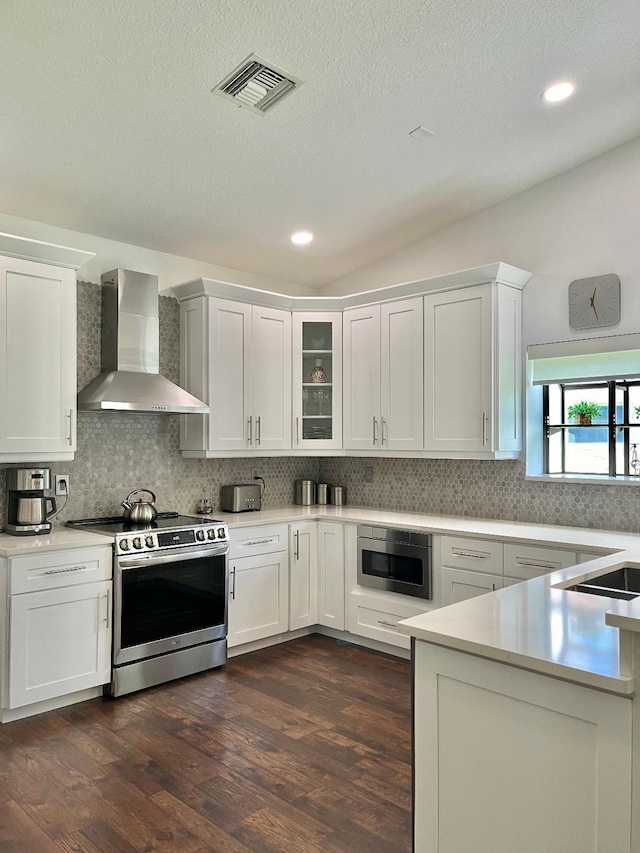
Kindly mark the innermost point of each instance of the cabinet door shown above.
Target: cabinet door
(317, 406)
(258, 598)
(459, 370)
(303, 575)
(361, 413)
(402, 372)
(229, 375)
(331, 579)
(271, 379)
(60, 642)
(38, 364)
(459, 584)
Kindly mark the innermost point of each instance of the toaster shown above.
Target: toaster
(240, 497)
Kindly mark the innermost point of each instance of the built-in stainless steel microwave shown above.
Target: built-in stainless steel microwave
(395, 560)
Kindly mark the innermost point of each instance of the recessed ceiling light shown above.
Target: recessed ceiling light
(558, 91)
(301, 238)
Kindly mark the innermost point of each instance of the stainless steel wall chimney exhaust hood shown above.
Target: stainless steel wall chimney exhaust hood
(130, 381)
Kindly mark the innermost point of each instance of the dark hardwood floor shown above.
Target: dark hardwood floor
(300, 748)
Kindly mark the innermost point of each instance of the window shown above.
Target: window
(605, 441)
(603, 372)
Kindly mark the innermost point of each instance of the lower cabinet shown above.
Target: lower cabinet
(331, 575)
(258, 597)
(376, 616)
(59, 641)
(460, 584)
(303, 575)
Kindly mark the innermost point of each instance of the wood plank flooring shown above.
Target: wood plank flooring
(300, 748)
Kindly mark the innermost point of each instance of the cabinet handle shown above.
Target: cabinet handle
(493, 587)
(250, 430)
(374, 431)
(521, 561)
(258, 430)
(107, 609)
(459, 553)
(384, 424)
(484, 428)
(70, 436)
(62, 571)
(387, 624)
(232, 576)
(258, 542)
(297, 538)
(297, 430)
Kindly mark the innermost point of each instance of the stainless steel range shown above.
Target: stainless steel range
(171, 584)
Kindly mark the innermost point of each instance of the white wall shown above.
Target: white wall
(170, 269)
(583, 222)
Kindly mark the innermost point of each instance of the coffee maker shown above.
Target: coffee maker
(27, 509)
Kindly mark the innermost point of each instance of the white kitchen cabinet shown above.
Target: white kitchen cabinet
(38, 364)
(473, 369)
(59, 627)
(237, 358)
(383, 376)
(331, 575)
(317, 406)
(509, 760)
(460, 584)
(59, 641)
(531, 561)
(375, 615)
(303, 575)
(258, 597)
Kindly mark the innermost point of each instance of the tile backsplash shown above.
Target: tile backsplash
(482, 489)
(119, 452)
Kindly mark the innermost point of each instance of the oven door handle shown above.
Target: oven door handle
(157, 559)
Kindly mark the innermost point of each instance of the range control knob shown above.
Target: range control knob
(148, 541)
(124, 544)
(211, 533)
(137, 542)
(221, 533)
(200, 535)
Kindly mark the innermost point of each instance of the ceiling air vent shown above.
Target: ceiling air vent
(257, 85)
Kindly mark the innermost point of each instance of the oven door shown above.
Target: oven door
(169, 601)
(394, 567)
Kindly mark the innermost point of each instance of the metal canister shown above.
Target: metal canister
(322, 494)
(305, 493)
(338, 495)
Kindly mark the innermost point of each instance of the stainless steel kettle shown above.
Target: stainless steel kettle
(140, 511)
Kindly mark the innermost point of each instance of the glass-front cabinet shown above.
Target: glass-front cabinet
(317, 380)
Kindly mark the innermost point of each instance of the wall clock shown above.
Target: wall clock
(594, 301)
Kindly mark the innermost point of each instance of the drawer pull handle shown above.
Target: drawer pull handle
(387, 624)
(63, 571)
(257, 542)
(521, 561)
(476, 556)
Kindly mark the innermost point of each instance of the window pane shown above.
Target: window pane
(634, 404)
(599, 396)
(555, 405)
(634, 438)
(555, 452)
(587, 451)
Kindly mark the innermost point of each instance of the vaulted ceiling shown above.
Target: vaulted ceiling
(108, 124)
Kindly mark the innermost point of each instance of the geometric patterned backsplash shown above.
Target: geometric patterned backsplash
(119, 452)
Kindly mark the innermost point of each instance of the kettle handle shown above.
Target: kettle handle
(137, 492)
(54, 507)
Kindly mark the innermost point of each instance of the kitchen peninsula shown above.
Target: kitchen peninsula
(527, 719)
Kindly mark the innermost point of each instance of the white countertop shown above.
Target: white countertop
(580, 538)
(59, 539)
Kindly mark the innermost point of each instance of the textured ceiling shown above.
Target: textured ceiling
(108, 125)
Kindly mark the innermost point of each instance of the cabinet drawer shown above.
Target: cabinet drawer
(251, 541)
(478, 555)
(59, 568)
(376, 617)
(530, 561)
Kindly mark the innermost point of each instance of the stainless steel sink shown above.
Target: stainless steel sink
(623, 583)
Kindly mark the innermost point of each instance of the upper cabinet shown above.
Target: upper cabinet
(38, 363)
(238, 357)
(383, 376)
(473, 372)
(317, 380)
